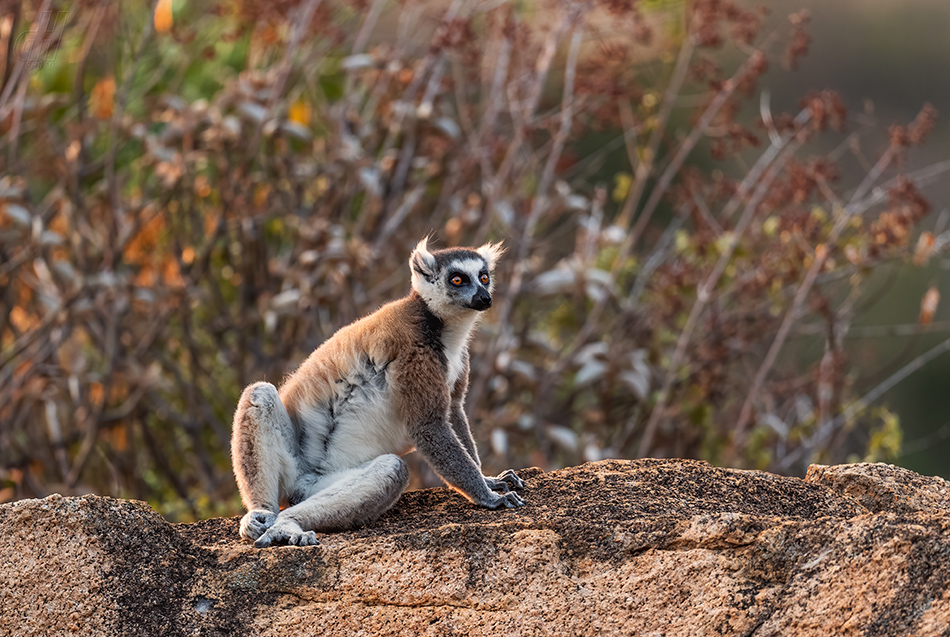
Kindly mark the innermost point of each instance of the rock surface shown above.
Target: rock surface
(646, 547)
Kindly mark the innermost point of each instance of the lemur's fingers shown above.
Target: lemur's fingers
(308, 538)
(270, 538)
(509, 500)
(513, 500)
(509, 476)
(497, 485)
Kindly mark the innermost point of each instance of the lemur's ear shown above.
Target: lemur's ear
(490, 252)
(422, 262)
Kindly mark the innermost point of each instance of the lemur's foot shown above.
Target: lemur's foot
(256, 522)
(286, 533)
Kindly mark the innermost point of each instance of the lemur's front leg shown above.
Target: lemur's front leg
(429, 417)
(441, 448)
(505, 481)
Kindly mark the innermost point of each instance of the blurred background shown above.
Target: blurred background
(726, 225)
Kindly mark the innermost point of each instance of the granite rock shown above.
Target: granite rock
(644, 547)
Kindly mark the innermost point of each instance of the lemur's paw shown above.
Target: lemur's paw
(255, 522)
(291, 535)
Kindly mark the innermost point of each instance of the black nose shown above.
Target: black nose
(481, 301)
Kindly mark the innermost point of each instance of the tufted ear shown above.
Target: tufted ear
(490, 252)
(421, 261)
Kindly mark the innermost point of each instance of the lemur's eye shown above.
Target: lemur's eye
(456, 280)
(484, 279)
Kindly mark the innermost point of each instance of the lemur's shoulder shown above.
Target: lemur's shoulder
(404, 323)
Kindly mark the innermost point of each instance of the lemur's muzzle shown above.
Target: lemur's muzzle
(481, 301)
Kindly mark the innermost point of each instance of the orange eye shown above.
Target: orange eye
(456, 280)
(483, 279)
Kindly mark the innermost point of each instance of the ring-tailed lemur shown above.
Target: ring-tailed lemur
(328, 442)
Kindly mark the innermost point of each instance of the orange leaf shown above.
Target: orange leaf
(260, 195)
(171, 274)
(300, 112)
(23, 320)
(163, 16)
(120, 438)
(96, 393)
(102, 98)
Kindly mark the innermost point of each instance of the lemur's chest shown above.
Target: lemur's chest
(455, 345)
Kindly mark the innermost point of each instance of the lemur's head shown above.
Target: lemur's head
(455, 279)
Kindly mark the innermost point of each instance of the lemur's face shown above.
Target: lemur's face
(465, 278)
(455, 278)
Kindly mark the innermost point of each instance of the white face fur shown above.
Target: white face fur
(454, 280)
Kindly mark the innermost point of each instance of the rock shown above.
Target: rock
(646, 547)
(884, 487)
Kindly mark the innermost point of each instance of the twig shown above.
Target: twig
(392, 223)
(877, 331)
(660, 252)
(11, 44)
(301, 23)
(20, 102)
(122, 96)
(926, 443)
(20, 72)
(94, 418)
(95, 19)
(540, 200)
(366, 29)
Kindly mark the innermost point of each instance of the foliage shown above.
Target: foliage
(196, 194)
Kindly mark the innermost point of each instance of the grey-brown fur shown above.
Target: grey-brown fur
(328, 442)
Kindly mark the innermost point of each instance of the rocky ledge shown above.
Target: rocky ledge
(646, 547)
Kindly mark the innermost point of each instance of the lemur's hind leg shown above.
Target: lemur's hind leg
(343, 500)
(262, 455)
